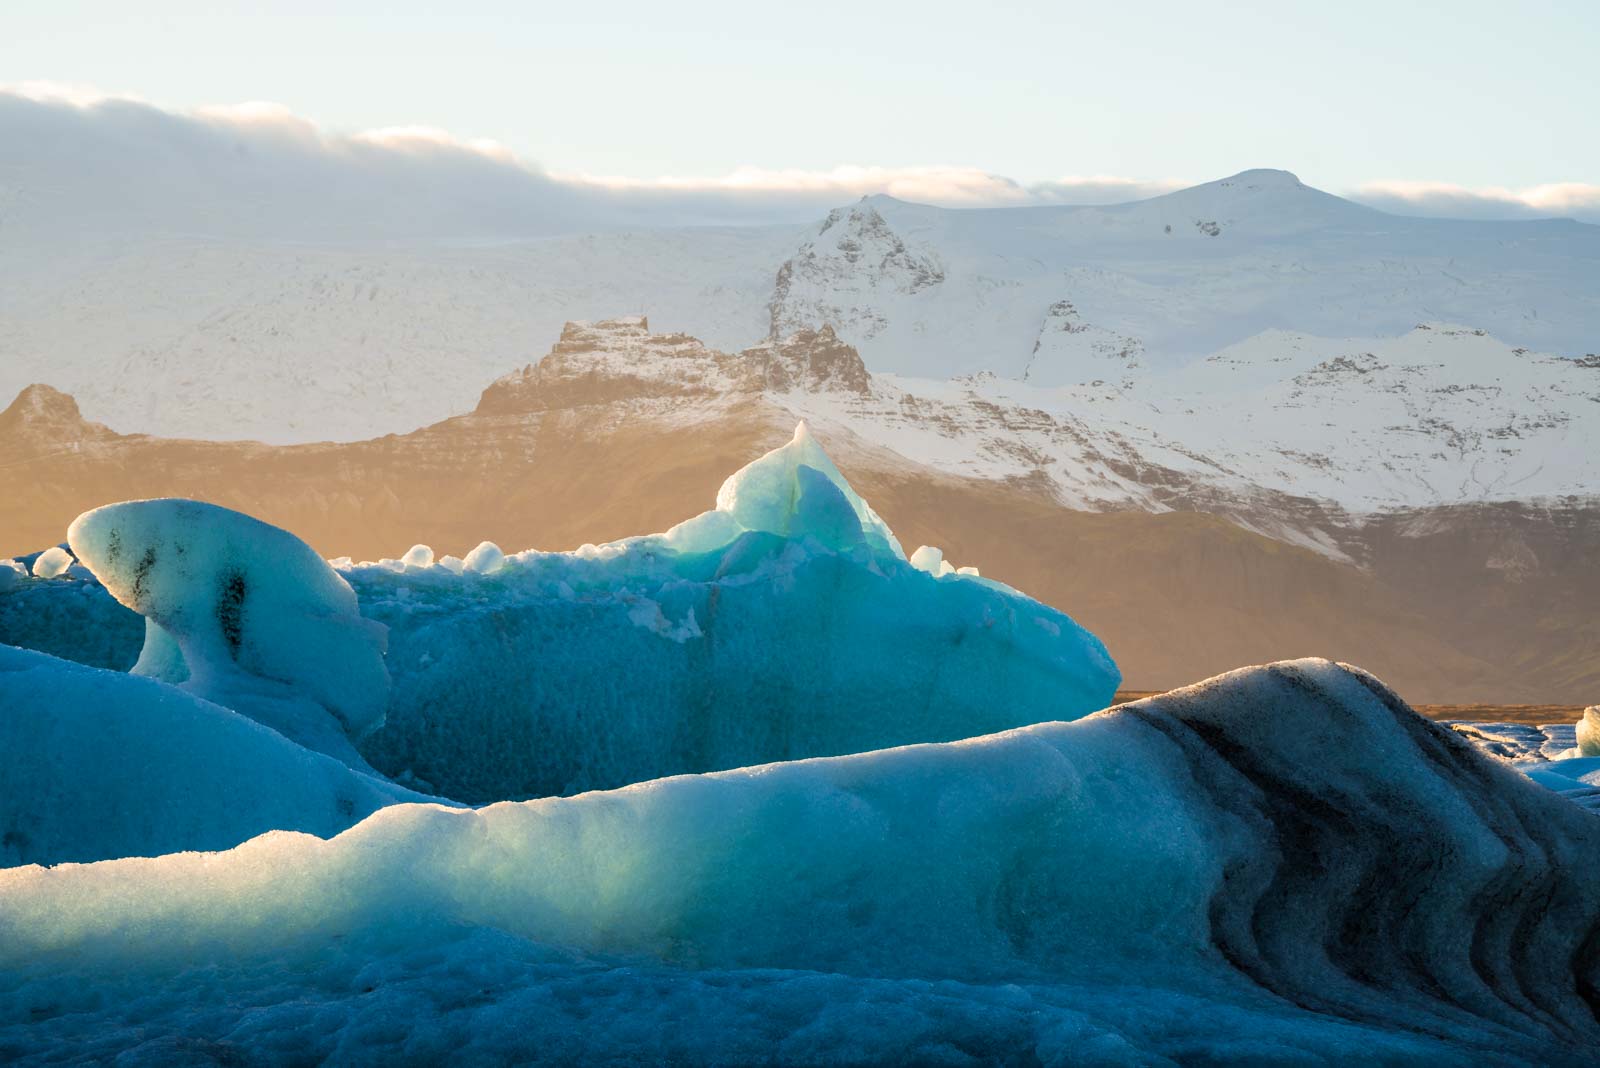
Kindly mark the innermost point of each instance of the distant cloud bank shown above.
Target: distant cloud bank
(1574, 200)
(107, 161)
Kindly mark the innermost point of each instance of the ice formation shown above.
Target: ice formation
(931, 559)
(99, 764)
(1588, 732)
(486, 559)
(52, 562)
(793, 491)
(1283, 864)
(242, 613)
(784, 623)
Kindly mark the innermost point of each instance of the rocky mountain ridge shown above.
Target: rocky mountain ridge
(1293, 437)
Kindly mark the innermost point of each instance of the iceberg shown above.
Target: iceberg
(784, 623)
(1281, 864)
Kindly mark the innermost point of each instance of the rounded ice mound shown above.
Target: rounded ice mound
(243, 612)
(486, 559)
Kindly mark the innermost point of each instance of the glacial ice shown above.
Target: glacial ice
(97, 764)
(784, 623)
(485, 559)
(52, 562)
(1588, 732)
(792, 491)
(931, 559)
(1282, 864)
(548, 673)
(244, 614)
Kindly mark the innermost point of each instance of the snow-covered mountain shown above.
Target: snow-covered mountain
(227, 336)
(304, 342)
(936, 292)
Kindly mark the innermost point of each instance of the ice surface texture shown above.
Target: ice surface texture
(1284, 863)
(97, 764)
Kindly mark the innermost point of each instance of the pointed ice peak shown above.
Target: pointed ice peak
(794, 491)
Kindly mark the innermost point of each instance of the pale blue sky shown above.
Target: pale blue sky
(1468, 92)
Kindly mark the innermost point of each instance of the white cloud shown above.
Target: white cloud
(82, 96)
(111, 161)
(948, 186)
(1575, 200)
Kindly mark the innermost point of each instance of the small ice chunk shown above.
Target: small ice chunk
(11, 573)
(453, 564)
(931, 559)
(1589, 732)
(486, 559)
(51, 563)
(418, 556)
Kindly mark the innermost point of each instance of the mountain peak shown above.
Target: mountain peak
(40, 407)
(1264, 178)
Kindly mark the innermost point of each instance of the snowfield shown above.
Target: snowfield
(227, 336)
(821, 844)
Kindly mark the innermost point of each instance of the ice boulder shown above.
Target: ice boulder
(486, 559)
(418, 556)
(1588, 732)
(99, 764)
(244, 614)
(52, 562)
